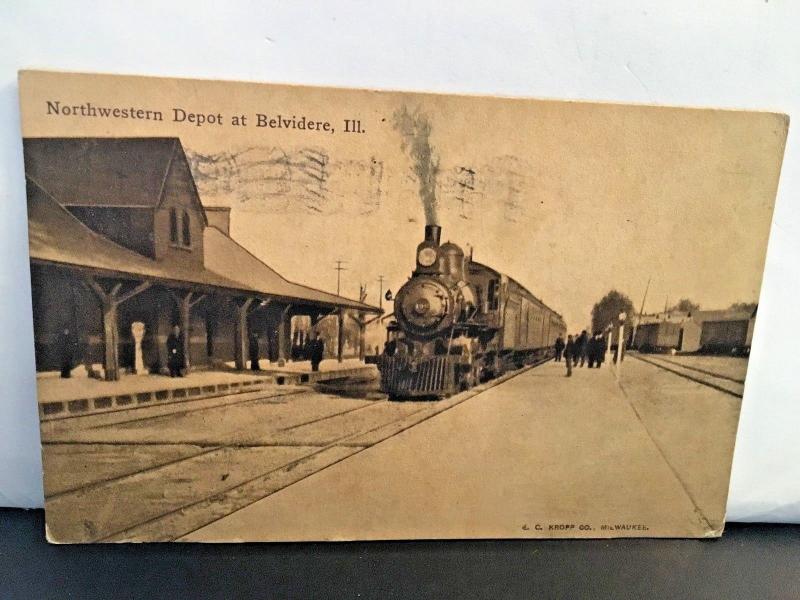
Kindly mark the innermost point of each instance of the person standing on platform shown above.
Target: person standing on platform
(581, 344)
(175, 354)
(254, 351)
(569, 354)
(590, 351)
(601, 349)
(68, 348)
(559, 347)
(317, 351)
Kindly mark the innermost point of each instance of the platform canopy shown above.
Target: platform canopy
(57, 237)
(223, 255)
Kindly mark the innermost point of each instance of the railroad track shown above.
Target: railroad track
(206, 449)
(722, 383)
(201, 510)
(701, 370)
(259, 397)
(121, 534)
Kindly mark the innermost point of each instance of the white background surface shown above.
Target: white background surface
(721, 53)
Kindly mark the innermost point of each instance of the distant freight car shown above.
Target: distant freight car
(729, 336)
(658, 337)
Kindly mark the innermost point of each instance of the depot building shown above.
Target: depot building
(122, 249)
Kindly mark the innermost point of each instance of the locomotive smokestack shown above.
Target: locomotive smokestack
(433, 234)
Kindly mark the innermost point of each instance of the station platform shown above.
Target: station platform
(59, 398)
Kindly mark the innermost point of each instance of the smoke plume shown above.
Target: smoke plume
(416, 131)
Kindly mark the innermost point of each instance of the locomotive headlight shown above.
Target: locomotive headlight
(426, 257)
(422, 306)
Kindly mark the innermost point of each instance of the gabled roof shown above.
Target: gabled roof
(130, 173)
(107, 172)
(224, 255)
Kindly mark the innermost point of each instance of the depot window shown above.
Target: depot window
(173, 226)
(187, 233)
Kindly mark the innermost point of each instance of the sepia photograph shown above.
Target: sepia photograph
(281, 313)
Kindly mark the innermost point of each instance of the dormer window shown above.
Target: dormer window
(187, 233)
(180, 228)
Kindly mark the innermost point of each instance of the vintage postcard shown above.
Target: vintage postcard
(270, 312)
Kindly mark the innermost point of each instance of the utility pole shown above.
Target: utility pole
(641, 310)
(620, 344)
(380, 291)
(361, 320)
(339, 268)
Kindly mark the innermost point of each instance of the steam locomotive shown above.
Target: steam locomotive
(458, 322)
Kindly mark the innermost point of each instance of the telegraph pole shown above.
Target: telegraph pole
(380, 291)
(620, 344)
(641, 311)
(339, 268)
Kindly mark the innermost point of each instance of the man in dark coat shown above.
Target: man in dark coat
(569, 354)
(559, 348)
(68, 347)
(253, 347)
(601, 349)
(316, 351)
(590, 351)
(593, 351)
(175, 354)
(581, 344)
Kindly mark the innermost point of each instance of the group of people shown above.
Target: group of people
(309, 347)
(581, 349)
(313, 350)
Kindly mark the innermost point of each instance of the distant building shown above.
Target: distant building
(711, 331)
(719, 331)
(118, 236)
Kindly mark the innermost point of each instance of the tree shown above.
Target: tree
(685, 305)
(328, 330)
(744, 306)
(606, 311)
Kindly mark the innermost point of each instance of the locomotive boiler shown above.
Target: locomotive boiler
(458, 322)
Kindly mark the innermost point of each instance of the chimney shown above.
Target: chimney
(219, 217)
(433, 234)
